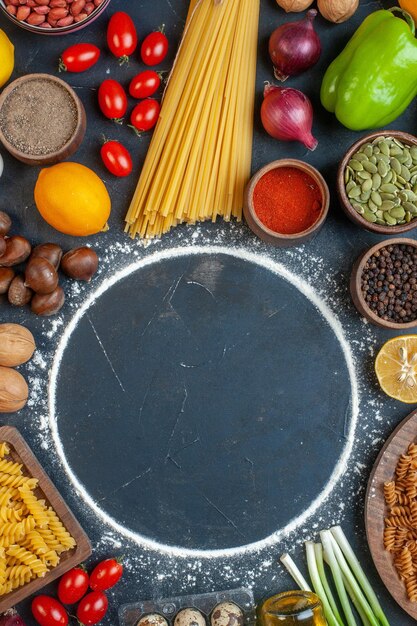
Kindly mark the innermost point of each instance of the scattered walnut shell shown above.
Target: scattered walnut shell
(294, 6)
(6, 277)
(17, 345)
(17, 250)
(18, 293)
(337, 11)
(13, 390)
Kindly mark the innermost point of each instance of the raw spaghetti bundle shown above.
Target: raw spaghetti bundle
(198, 162)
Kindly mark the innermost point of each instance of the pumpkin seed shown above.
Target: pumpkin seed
(369, 216)
(383, 157)
(381, 222)
(358, 207)
(382, 169)
(391, 221)
(372, 206)
(387, 205)
(374, 158)
(367, 185)
(405, 173)
(388, 196)
(408, 217)
(384, 147)
(398, 213)
(380, 214)
(376, 181)
(351, 184)
(368, 150)
(355, 192)
(364, 197)
(381, 138)
(388, 188)
(395, 165)
(355, 165)
(413, 152)
(364, 175)
(375, 197)
(388, 177)
(398, 143)
(359, 156)
(409, 206)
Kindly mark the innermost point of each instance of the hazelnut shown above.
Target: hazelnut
(80, 263)
(13, 390)
(6, 277)
(41, 276)
(17, 250)
(48, 304)
(5, 223)
(49, 251)
(18, 293)
(17, 345)
(2, 246)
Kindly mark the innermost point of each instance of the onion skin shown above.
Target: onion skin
(11, 619)
(294, 47)
(287, 114)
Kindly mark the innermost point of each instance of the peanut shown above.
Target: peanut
(51, 13)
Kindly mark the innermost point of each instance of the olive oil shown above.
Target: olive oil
(293, 608)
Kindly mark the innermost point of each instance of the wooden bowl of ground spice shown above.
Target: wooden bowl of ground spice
(377, 182)
(286, 202)
(42, 120)
(383, 284)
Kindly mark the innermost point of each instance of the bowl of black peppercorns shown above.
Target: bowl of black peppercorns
(383, 284)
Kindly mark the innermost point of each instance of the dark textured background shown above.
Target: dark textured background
(339, 243)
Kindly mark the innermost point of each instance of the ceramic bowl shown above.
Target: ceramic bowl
(64, 30)
(265, 233)
(356, 289)
(352, 214)
(67, 149)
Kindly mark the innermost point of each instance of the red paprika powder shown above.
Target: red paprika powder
(287, 200)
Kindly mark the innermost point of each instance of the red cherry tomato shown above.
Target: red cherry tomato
(122, 38)
(79, 58)
(118, 161)
(73, 585)
(106, 574)
(154, 48)
(144, 84)
(112, 99)
(49, 612)
(92, 608)
(145, 114)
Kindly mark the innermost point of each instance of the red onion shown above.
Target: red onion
(11, 618)
(294, 47)
(287, 114)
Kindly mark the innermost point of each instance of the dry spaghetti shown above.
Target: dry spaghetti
(198, 162)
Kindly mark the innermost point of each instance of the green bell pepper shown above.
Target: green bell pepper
(374, 79)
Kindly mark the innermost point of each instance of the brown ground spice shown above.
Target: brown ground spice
(38, 117)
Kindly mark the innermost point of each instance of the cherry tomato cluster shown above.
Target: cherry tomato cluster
(122, 40)
(72, 588)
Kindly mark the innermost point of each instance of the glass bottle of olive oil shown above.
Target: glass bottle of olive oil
(292, 608)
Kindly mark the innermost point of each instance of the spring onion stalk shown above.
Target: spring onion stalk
(355, 566)
(347, 573)
(337, 577)
(294, 572)
(356, 604)
(318, 586)
(318, 551)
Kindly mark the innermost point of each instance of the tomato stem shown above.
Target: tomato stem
(124, 60)
(162, 29)
(61, 65)
(138, 132)
(118, 120)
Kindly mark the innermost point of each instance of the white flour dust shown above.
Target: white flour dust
(162, 567)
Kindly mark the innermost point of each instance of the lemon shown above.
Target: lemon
(6, 58)
(72, 199)
(396, 368)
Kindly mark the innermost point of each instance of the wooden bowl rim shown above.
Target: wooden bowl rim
(358, 219)
(60, 30)
(297, 164)
(78, 128)
(387, 571)
(356, 280)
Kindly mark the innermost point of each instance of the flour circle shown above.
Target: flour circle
(326, 313)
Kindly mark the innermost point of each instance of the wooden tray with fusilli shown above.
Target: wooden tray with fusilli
(39, 537)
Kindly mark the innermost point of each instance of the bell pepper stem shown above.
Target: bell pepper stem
(406, 16)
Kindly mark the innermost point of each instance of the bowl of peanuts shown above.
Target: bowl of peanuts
(52, 17)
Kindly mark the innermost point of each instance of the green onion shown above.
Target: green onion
(361, 613)
(337, 577)
(318, 550)
(293, 570)
(318, 585)
(356, 568)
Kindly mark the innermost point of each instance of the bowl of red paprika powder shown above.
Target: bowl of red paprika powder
(286, 202)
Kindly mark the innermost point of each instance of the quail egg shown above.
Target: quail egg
(227, 614)
(152, 619)
(189, 617)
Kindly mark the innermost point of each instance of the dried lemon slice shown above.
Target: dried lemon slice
(396, 368)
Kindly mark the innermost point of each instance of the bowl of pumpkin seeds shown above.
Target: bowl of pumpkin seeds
(377, 182)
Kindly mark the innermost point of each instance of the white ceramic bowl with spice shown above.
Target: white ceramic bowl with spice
(42, 120)
(356, 285)
(272, 236)
(57, 30)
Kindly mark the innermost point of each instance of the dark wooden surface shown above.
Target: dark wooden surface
(375, 507)
(21, 453)
(101, 459)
